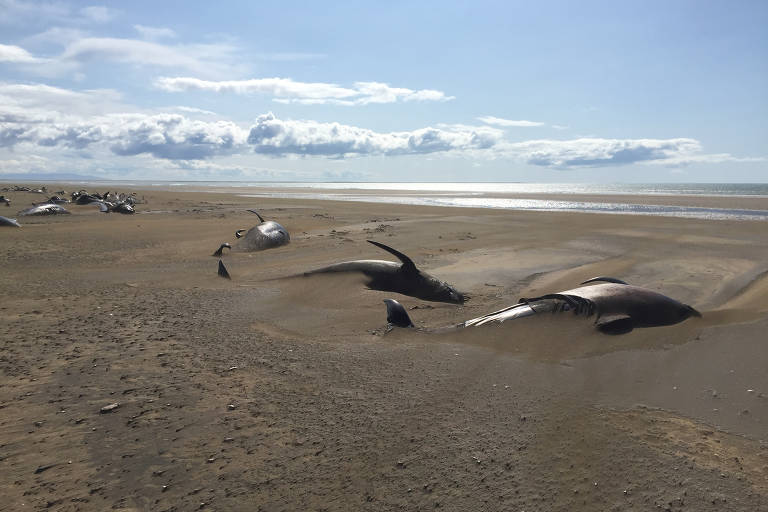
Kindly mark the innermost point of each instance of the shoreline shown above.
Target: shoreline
(725, 207)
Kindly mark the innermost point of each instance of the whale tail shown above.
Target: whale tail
(396, 314)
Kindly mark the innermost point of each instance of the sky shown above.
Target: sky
(546, 91)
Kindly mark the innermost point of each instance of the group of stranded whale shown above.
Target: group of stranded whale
(616, 306)
(108, 202)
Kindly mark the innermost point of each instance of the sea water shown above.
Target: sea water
(495, 195)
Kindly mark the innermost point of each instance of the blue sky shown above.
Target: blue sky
(386, 91)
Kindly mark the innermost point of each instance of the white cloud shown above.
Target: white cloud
(596, 152)
(195, 110)
(61, 36)
(43, 118)
(174, 137)
(206, 59)
(153, 33)
(273, 136)
(497, 121)
(685, 160)
(286, 90)
(130, 51)
(17, 55)
(281, 87)
(165, 136)
(39, 100)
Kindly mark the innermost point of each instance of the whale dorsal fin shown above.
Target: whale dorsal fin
(257, 214)
(396, 314)
(408, 264)
(605, 279)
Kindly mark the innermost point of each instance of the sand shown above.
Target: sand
(273, 393)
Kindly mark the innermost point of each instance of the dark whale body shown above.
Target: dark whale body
(267, 235)
(618, 308)
(404, 277)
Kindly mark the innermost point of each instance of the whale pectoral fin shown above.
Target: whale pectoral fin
(223, 270)
(605, 279)
(408, 264)
(615, 324)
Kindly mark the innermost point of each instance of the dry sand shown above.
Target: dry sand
(286, 394)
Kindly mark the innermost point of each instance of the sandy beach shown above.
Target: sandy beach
(278, 393)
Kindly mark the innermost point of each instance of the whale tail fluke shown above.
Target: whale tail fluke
(396, 314)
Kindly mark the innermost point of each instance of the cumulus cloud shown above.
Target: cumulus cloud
(46, 117)
(285, 90)
(274, 136)
(176, 137)
(498, 121)
(166, 136)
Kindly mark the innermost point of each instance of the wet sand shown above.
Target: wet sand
(272, 393)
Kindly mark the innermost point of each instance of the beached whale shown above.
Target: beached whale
(403, 277)
(45, 209)
(267, 235)
(617, 307)
(11, 223)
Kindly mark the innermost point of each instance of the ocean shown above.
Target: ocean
(511, 196)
